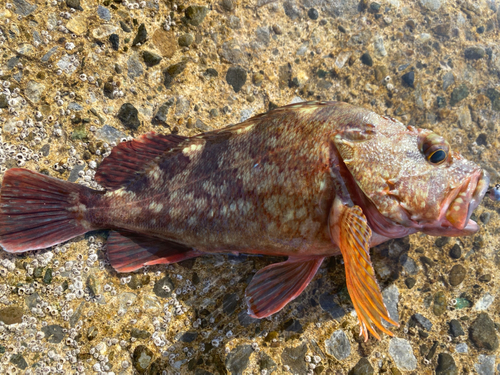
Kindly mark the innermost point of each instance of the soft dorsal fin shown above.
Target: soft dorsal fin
(129, 158)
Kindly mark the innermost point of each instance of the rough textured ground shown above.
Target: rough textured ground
(79, 76)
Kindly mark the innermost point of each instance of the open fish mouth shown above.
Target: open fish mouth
(467, 199)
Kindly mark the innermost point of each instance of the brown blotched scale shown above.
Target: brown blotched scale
(307, 181)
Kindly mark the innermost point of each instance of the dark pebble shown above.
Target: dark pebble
(410, 282)
(456, 252)
(185, 40)
(142, 358)
(329, 305)
(189, 336)
(375, 7)
(245, 319)
(459, 93)
(456, 329)
(409, 78)
(125, 27)
(75, 4)
(366, 59)
(442, 29)
(108, 90)
(237, 360)
(163, 287)
(142, 35)
(47, 278)
(19, 361)
(457, 274)
(294, 357)
(480, 30)
(11, 315)
(313, 14)
(432, 350)
(92, 333)
(485, 217)
(195, 14)
(482, 333)
(135, 282)
(139, 333)
(227, 5)
(236, 77)
(161, 115)
(342, 29)
(38, 272)
(441, 241)
(201, 125)
(171, 72)
(474, 53)
(481, 140)
(53, 333)
(446, 365)
(363, 367)
(211, 72)
(440, 302)
(214, 112)
(267, 363)
(150, 58)
(128, 115)
(420, 320)
(293, 325)
(114, 39)
(4, 103)
(229, 303)
(291, 9)
(485, 278)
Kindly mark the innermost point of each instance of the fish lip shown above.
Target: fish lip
(475, 188)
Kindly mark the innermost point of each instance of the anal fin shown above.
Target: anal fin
(349, 229)
(128, 251)
(277, 284)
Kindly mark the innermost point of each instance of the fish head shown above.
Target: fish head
(412, 176)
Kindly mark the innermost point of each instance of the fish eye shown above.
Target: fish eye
(437, 157)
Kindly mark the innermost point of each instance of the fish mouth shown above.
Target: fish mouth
(464, 200)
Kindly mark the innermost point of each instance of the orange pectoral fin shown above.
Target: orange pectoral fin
(349, 229)
(277, 284)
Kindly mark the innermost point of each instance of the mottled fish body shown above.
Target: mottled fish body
(307, 181)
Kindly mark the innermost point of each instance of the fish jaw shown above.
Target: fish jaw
(454, 219)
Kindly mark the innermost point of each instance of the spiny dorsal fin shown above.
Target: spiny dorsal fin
(130, 158)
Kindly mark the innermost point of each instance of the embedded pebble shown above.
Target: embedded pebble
(456, 328)
(401, 352)
(195, 14)
(446, 365)
(11, 315)
(338, 345)
(53, 333)
(363, 367)
(391, 298)
(294, 358)
(103, 13)
(128, 115)
(485, 364)
(327, 303)
(484, 302)
(462, 348)
(237, 360)
(482, 332)
(142, 358)
(236, 77)
(457, 274)
(163, 287)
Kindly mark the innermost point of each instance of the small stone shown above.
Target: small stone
(484, 302)
(211, 72)
(125, 27)
(47, 278)
(391, 298)
(482, 333)
(139, 333)
(161, 115)
(494, 96)
(432, 5)
(103, 13)
(363, 367)
(201, 125)
(103, 31)
(163, 287)
(474, 53)
(19, 361)
(485, 217)
(150, 58)
(233, 22)
(135, 282)
(114, 39)
(173, 71)
(75, 4)
(236, 77)
(128, 115)
(457, 274)
(401, 352)
(33, 91)
(410, 282)
(229, 303)
(313, 14)
(294, 358)
(378, 44)
(485, 278)
(338, 345)
(448, 80)
(456, 329)
(277, 29)
(109, 134)
(442, 29)
(462, 347)
(237, 360)
(485, 364)
(134, 66)
(3, 101)
(228, 5)
(266, 363)
(142, 35)
(291, 9)
(185, 40)
(440, 302)
(23, 8)
(440, 102)
(195, 14)
(458, 94)
(165, 41)
(188, 336)
(446, 365)
(53, 333)
(409, 78)
(293, 325)
(456, 252)
(366, 59)
(422, 321)
(142, 358)
(94, 285)
(11, 315)
(92, 333)
(327, 303)
(409, 264)
(263, 35)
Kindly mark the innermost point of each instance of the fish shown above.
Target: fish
(306, 181)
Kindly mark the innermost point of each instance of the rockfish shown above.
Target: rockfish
(306, 181)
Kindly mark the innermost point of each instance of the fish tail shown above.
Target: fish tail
(38, 211)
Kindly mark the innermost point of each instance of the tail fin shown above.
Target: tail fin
(38, 211)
